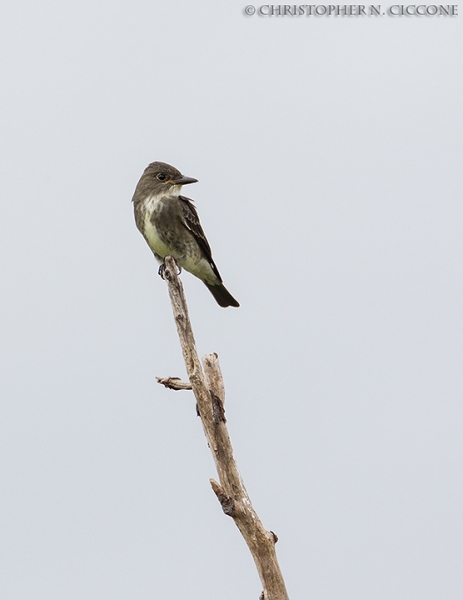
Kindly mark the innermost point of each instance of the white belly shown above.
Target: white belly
(155, 242)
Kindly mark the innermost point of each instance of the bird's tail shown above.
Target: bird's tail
(222, 295)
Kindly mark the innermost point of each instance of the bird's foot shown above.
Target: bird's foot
(161, 270)
(162, 267)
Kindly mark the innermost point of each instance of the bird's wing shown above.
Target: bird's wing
(191, 221)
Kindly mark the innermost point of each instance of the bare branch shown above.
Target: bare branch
(213, 374)
(174, 383)
(209, 391)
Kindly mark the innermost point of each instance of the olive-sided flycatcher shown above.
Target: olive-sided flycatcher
(170, 224)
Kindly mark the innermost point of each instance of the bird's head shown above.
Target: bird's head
(165, 179)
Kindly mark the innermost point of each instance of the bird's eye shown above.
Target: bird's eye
(161, 176)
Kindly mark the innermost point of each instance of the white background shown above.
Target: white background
(329, 158)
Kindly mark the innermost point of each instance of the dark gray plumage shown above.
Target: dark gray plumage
(170, 224)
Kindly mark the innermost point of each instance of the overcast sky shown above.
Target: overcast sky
(329, 157)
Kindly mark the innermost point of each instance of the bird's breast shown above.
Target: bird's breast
(152, 230)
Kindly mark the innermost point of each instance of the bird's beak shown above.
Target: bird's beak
(184, 180)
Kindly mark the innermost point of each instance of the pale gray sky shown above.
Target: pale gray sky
(329, 158)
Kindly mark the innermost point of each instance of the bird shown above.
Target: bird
(170, 225)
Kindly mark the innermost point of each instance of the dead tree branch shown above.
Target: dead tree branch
(174, 383)
(209, 391)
